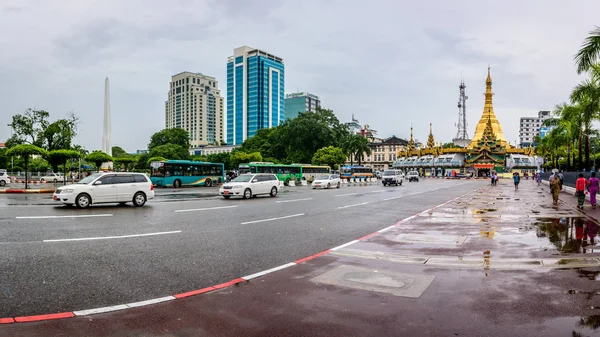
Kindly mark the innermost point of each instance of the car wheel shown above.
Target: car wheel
(208, 183)
(2, 182)
(139, 199)
(226, 196)
(328, 185)
(55, 180)
(273, 192)
(247, 194)
(83, 201)
(338, 185)
(177, 183)
(42, 180)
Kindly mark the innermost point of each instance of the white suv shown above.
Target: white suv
(412, 175)
(390, 177)
(249, 185)
(107, 187)
(4, 178)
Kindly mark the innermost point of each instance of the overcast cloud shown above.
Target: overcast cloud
(390, 63)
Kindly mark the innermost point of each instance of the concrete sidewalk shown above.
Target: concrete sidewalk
(495, 262)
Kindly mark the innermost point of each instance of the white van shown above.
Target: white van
(389, 177)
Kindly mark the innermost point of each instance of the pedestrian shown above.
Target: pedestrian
(555, 189)
(72, 177)
(492, 178)
(593, 189)
(538, 178)
(580, 185)
(561, 178)
(516, 179)
(495, 178)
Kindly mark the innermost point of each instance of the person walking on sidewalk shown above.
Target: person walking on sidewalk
(555, 188)
(516, 179)
(580, 185)
(561, 178)
(593, 189)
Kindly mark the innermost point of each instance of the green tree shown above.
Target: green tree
(25, 151)
(329, 155)
(62, 156)
(29, 127)
(4, 159)
(153, 159)
(170, 151)
(239, 157)
(587, 96)
(362, 147)
(223, 157)
(174, 136)
(449, 146)
(589, 53)
(98, 157)
(59, 134)
(118, 152)
(125, 162)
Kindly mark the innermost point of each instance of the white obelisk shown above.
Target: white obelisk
(106, 142)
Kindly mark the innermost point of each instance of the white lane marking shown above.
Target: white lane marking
(282, 201)
(377, 191)
(152, 301)
(203, 209)
(392, 198)
(343, 195)
(362, 203)
(272, 219)
(265, 272)
(386, 229)
(112, 237)
(100, 310)
(344, 245)
(62, 216)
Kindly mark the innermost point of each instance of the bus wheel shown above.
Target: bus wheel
(177, 183)
(287, 182)
(208, 183)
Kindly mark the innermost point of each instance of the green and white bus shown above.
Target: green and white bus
(284, 172)
(179, 173)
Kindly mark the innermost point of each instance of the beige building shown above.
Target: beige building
(383, 153)
(195, 105)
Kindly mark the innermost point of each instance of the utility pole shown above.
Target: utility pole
(12, 162)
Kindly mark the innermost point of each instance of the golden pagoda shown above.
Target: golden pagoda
(488, 115)
(430, 140)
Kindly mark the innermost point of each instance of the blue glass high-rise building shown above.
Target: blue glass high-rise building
(255, 93)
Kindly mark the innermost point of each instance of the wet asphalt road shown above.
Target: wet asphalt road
(209, 241)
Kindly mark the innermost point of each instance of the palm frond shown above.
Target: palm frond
(589, 52)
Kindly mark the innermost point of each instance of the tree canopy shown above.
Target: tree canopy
(98, 157)
(33, 127)
(170, 151)
(240, 157)
(329, 155)
(174, 136)
(25, 151)
(118, 152)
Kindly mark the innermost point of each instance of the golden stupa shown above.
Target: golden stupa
(488, 117)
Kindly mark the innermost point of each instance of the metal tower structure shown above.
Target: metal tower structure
(462, 138)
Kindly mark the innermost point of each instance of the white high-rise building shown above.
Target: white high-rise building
(529, 128)
(195, 104)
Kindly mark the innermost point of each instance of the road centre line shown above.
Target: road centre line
(62, 216)
(273, 219)
(282, 201)
(377, 191)
(343, 195)
(112, 237)
(203, 209)
(362, 203)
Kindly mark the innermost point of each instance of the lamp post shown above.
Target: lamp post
(11, 157)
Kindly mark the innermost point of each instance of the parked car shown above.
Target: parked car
(4, 178)
(412, 176)
(53, 178)
(107, 187)
(377, 174)
(251, 184)
(326, 181)
(395, 177)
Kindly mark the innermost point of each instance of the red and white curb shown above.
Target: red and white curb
(88, 312)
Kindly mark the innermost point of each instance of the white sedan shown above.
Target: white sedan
(326, 181)
(53, 178)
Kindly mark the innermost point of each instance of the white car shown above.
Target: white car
(390, 177)
(251, 184)
(412, 175)
(4, 178)
(326, 181)
(53, 178)
(107, 187)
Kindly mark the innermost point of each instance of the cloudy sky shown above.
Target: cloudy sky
(390, 63)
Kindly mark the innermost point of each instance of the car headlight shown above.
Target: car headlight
(237, 187)
(68, 190)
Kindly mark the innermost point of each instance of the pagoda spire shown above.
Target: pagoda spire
(430, 140)
(411, 142)
(489, 116)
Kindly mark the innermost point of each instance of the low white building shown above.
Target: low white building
(209, 149)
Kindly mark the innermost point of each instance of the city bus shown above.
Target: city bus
(356, 172)
(309, 172)
(179, 173)
(284, 172)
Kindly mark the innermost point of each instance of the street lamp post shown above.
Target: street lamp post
(12, 162)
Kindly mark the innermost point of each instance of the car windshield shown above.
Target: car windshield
(89, 178)
(323, 177)
(413, 173)
(389, 173)
(243, 178)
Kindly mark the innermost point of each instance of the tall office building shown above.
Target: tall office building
(530, 127)
(300, 102)
(255, 93)
(195, 105)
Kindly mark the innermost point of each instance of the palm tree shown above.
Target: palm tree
(587, 95)
(589, 52)
(349, 145)
(566, 124)
(362, 148)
